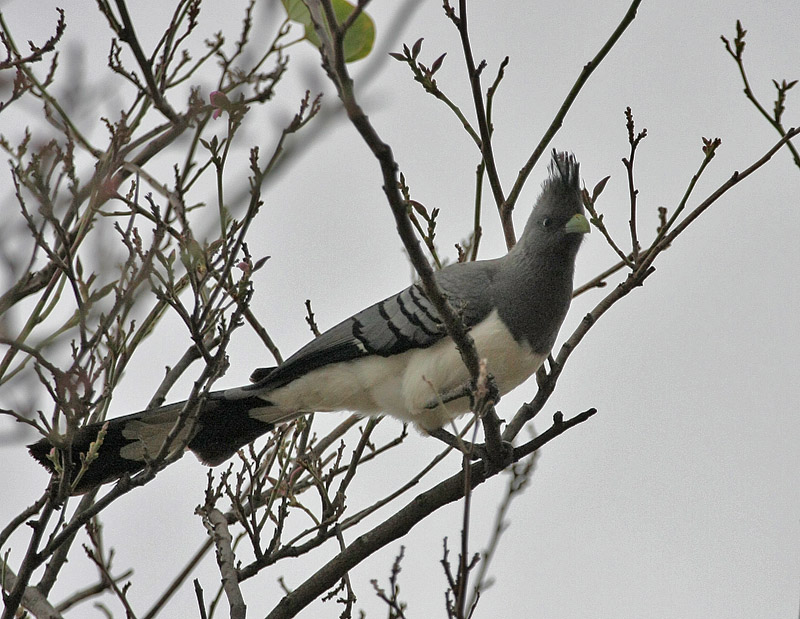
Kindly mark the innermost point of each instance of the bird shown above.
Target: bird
(394, 357)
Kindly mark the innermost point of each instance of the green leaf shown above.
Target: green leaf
(358, 41)
(297, 11)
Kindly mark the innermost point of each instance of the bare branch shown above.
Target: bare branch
(217, 527)
(399, 524)
(586, 72)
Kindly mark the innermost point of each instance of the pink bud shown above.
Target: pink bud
(220, 102)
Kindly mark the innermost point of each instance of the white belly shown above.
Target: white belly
(403, 384)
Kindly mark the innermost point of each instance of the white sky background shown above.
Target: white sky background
(680, 498)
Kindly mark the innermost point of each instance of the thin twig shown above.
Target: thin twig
(128, 34)
(400, 523)
(558, 120)
(599, 281)
(635, 278)
(736, 51)
(633, 141)
(474, 74)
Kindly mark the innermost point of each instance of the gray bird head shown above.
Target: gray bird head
(557, 223)
(534, 282)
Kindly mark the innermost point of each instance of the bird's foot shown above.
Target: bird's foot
(468, 389)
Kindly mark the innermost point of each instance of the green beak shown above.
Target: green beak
(577, 224)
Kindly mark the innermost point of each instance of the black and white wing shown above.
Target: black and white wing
(402, 322)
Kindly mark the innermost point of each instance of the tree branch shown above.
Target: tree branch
(474, 74)
(586, 72)
(333, 62)
(398, 525)
(217, 526)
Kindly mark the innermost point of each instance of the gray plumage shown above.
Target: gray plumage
(393, 357)
(531, 288)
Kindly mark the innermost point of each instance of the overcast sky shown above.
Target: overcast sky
(680, 498)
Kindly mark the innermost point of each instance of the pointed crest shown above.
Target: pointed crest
(564, 168)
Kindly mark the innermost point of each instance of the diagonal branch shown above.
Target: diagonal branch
(32, 599)
(474, 74)
(586, 72)
(736, 52)
(398, 525)
(128, 35)
(333, 62)
(635, 278)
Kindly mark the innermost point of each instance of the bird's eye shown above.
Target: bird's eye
(546, 222)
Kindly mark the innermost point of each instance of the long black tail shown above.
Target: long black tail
(223, 425)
